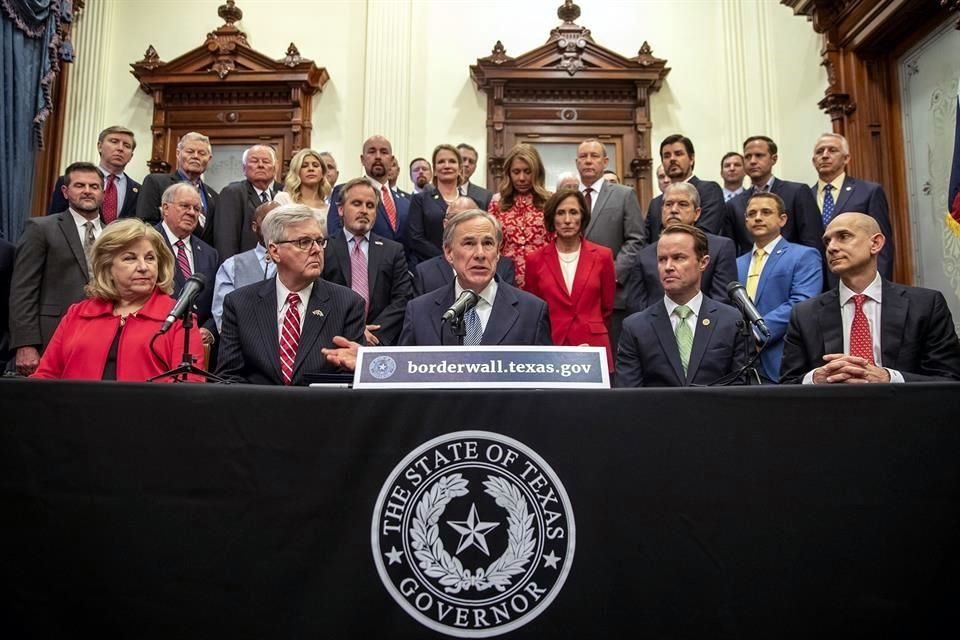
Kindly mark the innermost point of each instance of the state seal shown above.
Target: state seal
(473, 534)
(382, 367)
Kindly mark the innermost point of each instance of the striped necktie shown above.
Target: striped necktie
(684, 335)
(290, 337)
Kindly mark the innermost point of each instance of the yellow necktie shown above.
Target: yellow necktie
(756, 267)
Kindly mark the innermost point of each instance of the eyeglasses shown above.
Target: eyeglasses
(305, 242)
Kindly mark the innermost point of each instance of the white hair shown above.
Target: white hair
(276, 223)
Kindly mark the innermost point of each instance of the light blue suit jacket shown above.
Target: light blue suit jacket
(793, 273)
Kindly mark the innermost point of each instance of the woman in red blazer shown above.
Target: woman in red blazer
(574, 276)
(108, 335)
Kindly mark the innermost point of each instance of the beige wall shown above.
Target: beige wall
(401, 67)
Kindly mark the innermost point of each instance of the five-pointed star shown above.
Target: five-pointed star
(550, 560)
(472, 531)
(394, 555)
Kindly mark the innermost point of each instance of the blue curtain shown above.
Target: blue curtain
(31, 48)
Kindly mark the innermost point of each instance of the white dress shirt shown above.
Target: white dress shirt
(80, 221)
(694, 304)
(282, 294)
(487, 296)
(173, 240)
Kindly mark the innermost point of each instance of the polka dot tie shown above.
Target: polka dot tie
(861, 342)
(828, 204)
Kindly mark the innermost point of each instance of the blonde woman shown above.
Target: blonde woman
(306, 182)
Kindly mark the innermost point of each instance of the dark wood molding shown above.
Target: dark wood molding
(862, 43)
(230, 92)
(571, 88)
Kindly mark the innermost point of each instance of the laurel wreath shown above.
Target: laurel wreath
(437, 563)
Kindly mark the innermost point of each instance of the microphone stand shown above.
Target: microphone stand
(186, 366)
(748, 373)
(459, 328)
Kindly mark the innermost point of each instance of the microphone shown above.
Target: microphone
(467, 300)
(738, 296)
(188, 295)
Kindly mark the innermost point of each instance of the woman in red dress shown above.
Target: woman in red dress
(575, 277)
(520, 205)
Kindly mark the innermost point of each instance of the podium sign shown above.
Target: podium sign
(482, 368)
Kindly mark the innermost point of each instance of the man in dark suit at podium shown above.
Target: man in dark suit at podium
(273, 331)
(685, 339)
(868, 329)
(115, 145)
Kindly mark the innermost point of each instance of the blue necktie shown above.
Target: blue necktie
(474, 330)
(827, 204)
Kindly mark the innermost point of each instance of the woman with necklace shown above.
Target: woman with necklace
(111, 334)
(428, 208)
(575, 277)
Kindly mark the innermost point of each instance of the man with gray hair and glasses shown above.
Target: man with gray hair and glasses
(273, 331)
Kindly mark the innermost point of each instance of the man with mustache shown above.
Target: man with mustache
(681, 205)
(420, 174)
(392, 212)
(371, 265)
(51, 264)
(194, 153)
(115, 145)
(868, 329)
(180, 208)
(677, 156)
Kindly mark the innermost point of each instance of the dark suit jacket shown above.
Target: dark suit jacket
(644, 288)
(917, 335)
(479, 195)
(205, 261)
(792, 273)
(425, 230)
(7, 253)
(382, 226)
(804, 225)
(148, 204)
(517, 318)
(865, 197)
(128, 210)
(437, 272)
(616, 223)
(49, 274)
(648, 355)
(250, 340)
(712, 212)
(388, 281)
(231, 228)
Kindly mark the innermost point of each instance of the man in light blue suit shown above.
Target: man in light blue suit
(778, 274)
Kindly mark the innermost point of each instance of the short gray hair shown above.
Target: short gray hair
(171, 192)
(466, 216)
(246, 152)
(844, 145)
(276, 223)
(687, 188)
(191, 136)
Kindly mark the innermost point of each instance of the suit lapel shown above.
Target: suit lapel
(313, 320)
(701, 336)
(128, 200)
(771, 267)
(585, 269)
(374, 258)
(846, 189)
(831, 323)
(597, 209)
(893, 319)
(502, 318)
(340, 257)
(266, 318)
(252, 199)
(442, 301)
(72, 236)
(668, 341)
(552, 260)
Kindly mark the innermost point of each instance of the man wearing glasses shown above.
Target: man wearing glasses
(180, 210)
(777, 274)
(273, 331)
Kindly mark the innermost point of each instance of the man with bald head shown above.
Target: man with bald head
(391, 222)
(868, 329)
(233, 226)
(436, 272)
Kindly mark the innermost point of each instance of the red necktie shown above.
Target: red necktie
(389, 206)
(290, 337)
(861, 342)
(182, 262)
(109, 207)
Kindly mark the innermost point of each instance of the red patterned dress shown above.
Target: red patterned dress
(523, 231)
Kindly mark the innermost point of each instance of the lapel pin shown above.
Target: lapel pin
(135, 190)
(378, 243)
(706, 322)
(318, 313)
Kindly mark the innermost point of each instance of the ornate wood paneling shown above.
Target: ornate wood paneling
(862, 42)
(569, 89)
(230, 92)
